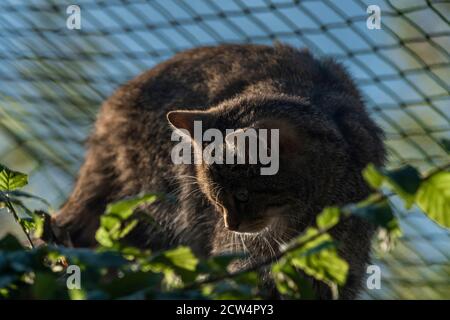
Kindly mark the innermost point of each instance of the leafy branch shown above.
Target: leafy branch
(115, 270)
(307, 237)
(9, 181)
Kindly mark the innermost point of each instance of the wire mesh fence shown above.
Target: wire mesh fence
(53, 80)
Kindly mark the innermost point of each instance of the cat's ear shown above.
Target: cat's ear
(184, 120)
(290, 139)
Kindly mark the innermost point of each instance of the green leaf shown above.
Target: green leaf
(379, 213)
(28, 223)
(124, 209)
(328, 218)
(127, 228)
(182, 257)
(373, 177)
(407, 178)
(40, 218)
(175, 262)
(404, 181)
(11, 180)
(103, 237)
(433, 198)
(318, 258)
(115, 224)
(291, 283)
(77, 294)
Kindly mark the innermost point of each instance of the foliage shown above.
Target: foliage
(430, 193)
(433, 197)
(117, 271)
(117, 221)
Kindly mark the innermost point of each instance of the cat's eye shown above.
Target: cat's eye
(241, 195)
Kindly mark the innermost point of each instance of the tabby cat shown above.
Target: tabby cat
(325, 135)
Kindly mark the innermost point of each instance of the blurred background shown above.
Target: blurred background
(54, 79)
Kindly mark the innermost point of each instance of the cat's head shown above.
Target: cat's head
(313, 161)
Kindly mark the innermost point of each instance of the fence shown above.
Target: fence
(53, 80)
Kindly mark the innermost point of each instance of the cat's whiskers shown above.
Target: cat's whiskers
(281, 244)
(271, 250)
(288, 236)
(246, 250)
(283, 240)
(196, 191)
(180, 180)
(182, 186)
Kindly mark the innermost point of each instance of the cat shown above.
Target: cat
(326, 139)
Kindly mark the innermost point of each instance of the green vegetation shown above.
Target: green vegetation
(116, 271)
